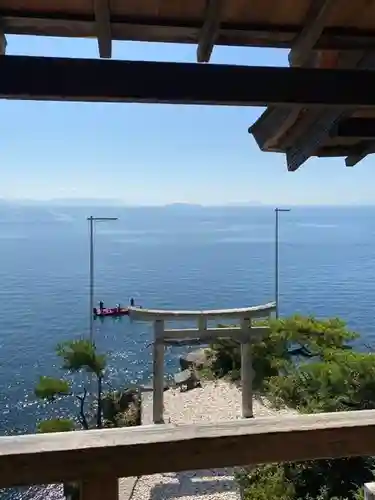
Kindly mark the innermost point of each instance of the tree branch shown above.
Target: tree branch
(82, 416)
(99, 410)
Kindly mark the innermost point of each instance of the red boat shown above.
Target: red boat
(110, 311)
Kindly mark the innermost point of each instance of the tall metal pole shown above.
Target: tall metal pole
(91, 285)
(277, 210)
(277, 261)
(92, 220)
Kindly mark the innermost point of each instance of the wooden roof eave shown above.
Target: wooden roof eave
(276, 128)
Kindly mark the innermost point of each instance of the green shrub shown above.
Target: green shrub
(307, 364)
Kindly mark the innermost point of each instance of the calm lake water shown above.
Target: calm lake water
(173, 257)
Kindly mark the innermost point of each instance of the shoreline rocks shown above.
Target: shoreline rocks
(194, 359)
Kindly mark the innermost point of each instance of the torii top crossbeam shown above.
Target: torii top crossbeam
(261, 311)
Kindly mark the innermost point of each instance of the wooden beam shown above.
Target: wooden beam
(43, 78)
(316, 19)
(210, 30)
(149, 449)
(359, 128)
(100, 487)
(170, 315)
(103, 27)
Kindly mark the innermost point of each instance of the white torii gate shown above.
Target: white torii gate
(246, 333)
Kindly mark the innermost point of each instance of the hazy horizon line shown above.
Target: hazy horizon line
(113, 202)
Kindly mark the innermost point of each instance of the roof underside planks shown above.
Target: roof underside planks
(338, 24)
(303, 132)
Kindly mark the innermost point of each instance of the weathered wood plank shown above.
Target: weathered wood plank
(103, 27)
(53, 458)
(174, 31)
(313, 26)
(210, 30)
(43, 78)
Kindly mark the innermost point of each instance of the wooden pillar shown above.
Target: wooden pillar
(100, 488)
(246, 370)
(369, 491)
(158, 375)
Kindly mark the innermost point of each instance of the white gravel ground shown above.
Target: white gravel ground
(215, 401)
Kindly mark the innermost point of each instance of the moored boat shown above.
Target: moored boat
(110, 311)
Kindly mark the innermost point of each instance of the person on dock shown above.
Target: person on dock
(101, 306)
(132, 302)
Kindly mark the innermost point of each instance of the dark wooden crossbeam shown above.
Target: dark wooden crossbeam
(42, 78)
(360, 128)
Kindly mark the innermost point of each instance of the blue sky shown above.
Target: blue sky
(156, 154)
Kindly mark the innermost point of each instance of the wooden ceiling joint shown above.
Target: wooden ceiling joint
(313, 26)
(103, 27)
(210, 30)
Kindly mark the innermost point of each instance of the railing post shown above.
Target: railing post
(158, 375)
(246, 370)
(100, 488)
(369, 491)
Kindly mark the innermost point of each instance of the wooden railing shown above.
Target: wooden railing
(98, 458)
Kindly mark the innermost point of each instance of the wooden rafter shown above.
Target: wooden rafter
(300, 55)
(360, 128)
(103, 28)
(3, 42)
(315, 21)
(210, 30)
(175, 31)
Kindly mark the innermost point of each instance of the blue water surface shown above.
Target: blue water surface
(170, 257)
